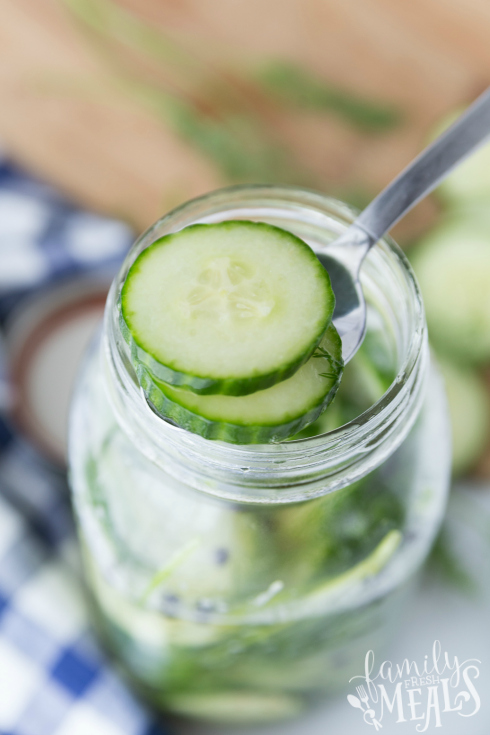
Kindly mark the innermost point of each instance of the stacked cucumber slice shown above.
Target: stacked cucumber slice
(230, 333)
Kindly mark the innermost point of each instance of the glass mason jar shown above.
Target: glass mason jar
(243, 582)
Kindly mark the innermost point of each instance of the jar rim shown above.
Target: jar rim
(297, 469)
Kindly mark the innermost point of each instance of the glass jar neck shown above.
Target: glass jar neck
(294, 470)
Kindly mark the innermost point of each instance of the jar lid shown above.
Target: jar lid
(46, 338)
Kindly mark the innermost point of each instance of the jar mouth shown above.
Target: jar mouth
(297, 469)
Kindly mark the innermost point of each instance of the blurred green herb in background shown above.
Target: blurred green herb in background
(297, 87)
(230, 116)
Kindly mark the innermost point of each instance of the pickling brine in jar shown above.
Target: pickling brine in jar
(246, 581)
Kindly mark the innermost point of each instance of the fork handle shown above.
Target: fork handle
(427, 170)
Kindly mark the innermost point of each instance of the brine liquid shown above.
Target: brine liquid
(241, 612)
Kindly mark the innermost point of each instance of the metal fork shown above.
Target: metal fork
(363, 695)
(370, 712)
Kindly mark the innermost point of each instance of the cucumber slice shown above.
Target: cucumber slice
(452, 265)
(236, 706)
(469, 408)
(273, 414)
(229, 308)
(147, 629)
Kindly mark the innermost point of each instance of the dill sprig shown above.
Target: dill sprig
(296, 86)
(230, 116)
(322, 352)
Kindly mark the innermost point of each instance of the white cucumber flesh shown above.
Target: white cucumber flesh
(228, 308)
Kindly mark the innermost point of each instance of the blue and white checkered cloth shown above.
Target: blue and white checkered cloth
(54, 679)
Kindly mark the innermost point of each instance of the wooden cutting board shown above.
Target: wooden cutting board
(63, 116)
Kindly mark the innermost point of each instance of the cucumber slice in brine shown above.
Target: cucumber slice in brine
(269, 415)
(452, 265)
(236, 706)
(227, 308)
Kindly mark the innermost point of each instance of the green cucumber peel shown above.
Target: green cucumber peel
(272, 415)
